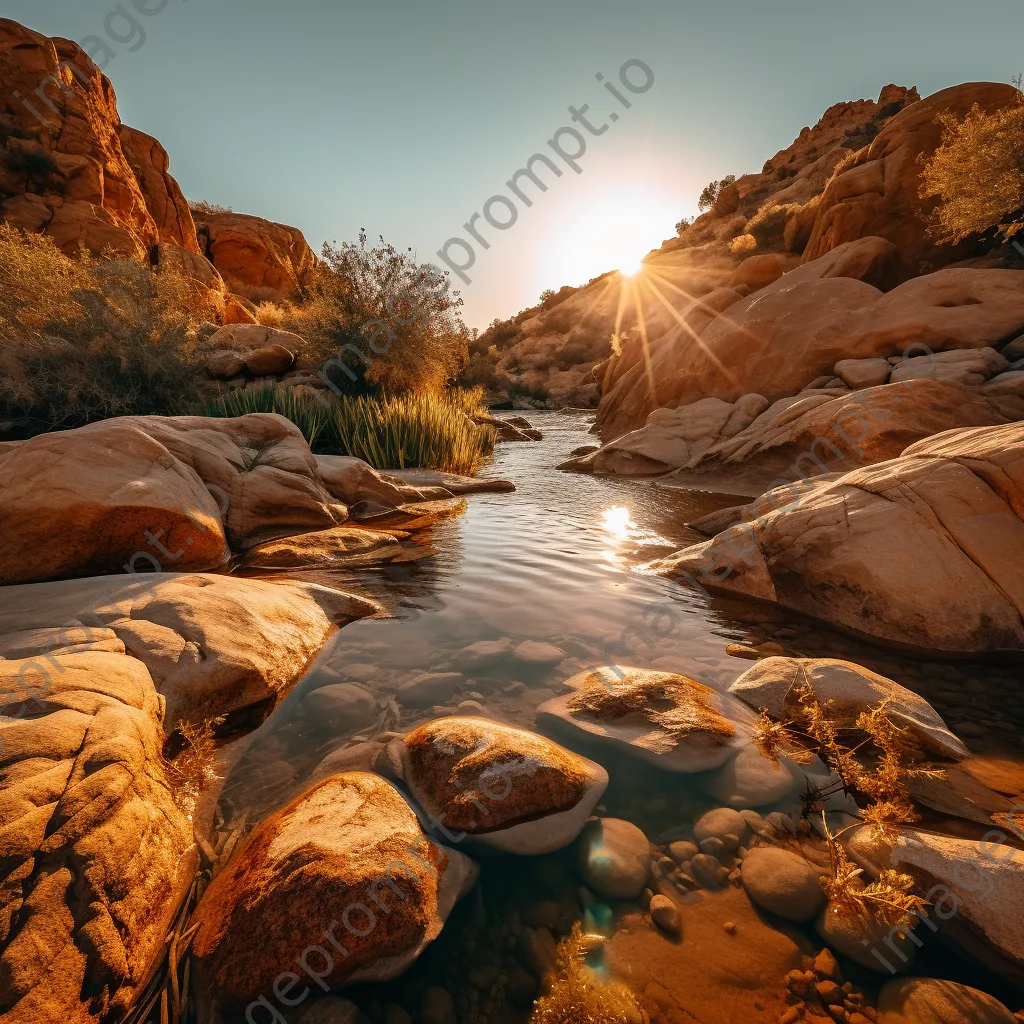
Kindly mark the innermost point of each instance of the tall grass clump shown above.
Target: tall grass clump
(312, 415)
(407, 431)
(413, 431)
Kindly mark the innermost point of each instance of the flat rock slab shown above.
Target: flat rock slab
(450, 481)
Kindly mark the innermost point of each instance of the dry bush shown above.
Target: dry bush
(87, 339)
(274, 314)
(743, 245)
(977, 174)
(768, 225)
(381, 321)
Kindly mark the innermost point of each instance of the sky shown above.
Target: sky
(405, 118)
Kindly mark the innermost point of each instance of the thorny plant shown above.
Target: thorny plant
(192, 772)
(879, 767)
(578, 996)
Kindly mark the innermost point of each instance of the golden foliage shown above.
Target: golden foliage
(777, 738)
(977, 173)
(743, 244)
(191, 772)
(889, 900)
(89, 338)
(577, 996)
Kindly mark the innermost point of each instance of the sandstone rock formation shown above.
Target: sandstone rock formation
(343, 879)
(670, 720)
(784, 337)
(922, 550)
(505, 788)
(213, 644)
(95, 182)
(255, 253)
(98, 854)
(849, 690)
(820, 430)
(982, 919)
(145, 493)
(95, 674)
(876, 193)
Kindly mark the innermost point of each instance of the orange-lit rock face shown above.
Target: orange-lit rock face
(69, 168)
(256, 253)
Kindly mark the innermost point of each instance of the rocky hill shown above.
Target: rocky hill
(70, 169)
(855, 175)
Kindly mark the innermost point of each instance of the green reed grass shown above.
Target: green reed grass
(406, 431)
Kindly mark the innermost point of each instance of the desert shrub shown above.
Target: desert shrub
(977, 174)
(274, 314)
(769, 223)
(683, 224)
(381, 321)
(712, 191)
(201, 208)
(743, 245)
(548, 293)
(87, 339)
(481, 370)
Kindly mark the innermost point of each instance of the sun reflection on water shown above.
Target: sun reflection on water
(618, 522)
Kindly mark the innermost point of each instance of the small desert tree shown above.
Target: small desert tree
(381, 320)
(977, 174)
(712, 191)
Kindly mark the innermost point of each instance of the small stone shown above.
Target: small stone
(861, 940)
(437, 1007)
(705, 869)
(429, 688)
(332, 1010)
(682, 850)
(712, 846)
(536, 950)
(731, 842)
(483, 654)
(729, 927)
(742, 651)
(532, 652)
(471, 707)
(645, 899)
(830, 992)
(783, 883)
(521, 988)
(793, 1014)
(826, 966)
(723, 821)
(665, 915)
(614, 858)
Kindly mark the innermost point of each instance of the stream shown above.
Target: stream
(555, 562)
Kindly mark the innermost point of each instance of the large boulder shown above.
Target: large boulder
(937, 1001)
(255, 253)
(785, 336)
(342, 883)
(214, 645)
(924, 550)
(975, 889)
(878, 192)
(100, 184)
(263, 351)
(849, 690)
(504, 787)
(104, 498)
(97, 854)
(151, 493)
(669, 720)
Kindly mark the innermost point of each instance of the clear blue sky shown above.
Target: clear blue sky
(404, 117)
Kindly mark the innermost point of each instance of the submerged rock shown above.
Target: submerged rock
(340, 545)
(505, 788)
(869, 942)
(937, 1001)
(670, 720)
(342, 882)
(614, 858)
(850, 690)
(783, 883)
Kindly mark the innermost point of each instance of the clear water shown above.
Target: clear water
(556, 562)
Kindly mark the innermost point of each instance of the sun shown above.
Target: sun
(630, 266)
